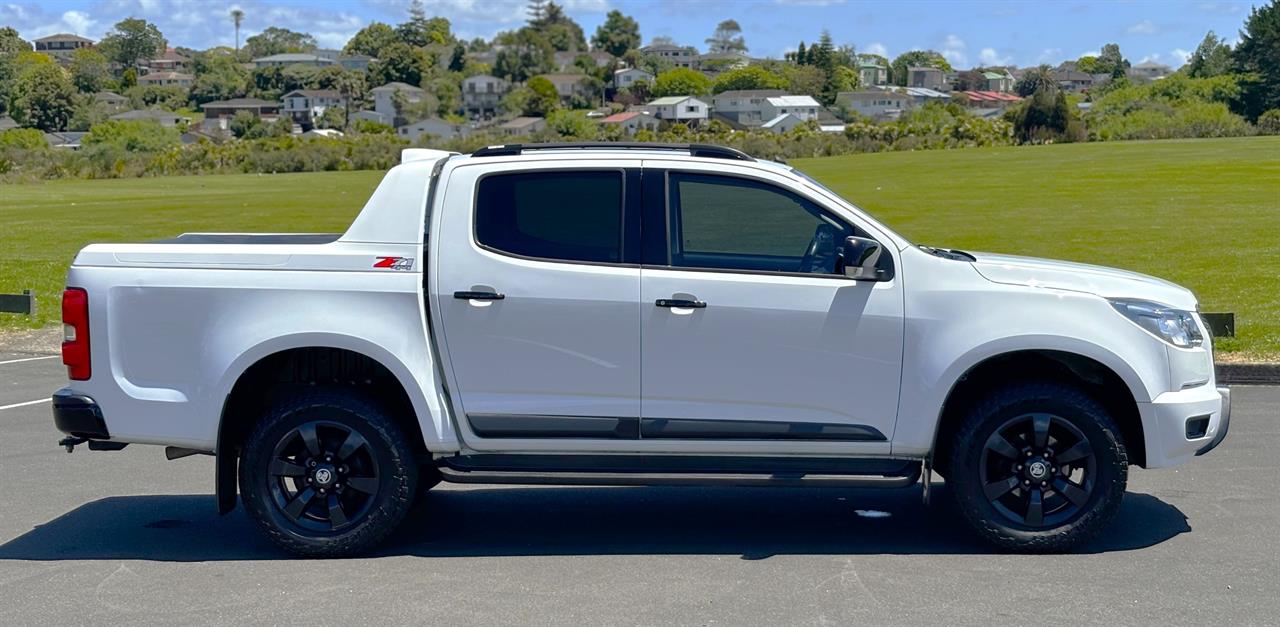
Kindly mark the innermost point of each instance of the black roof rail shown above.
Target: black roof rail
(696, 150)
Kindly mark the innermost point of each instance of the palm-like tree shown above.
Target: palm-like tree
(237, 16)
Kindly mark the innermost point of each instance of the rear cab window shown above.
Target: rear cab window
(552, 215)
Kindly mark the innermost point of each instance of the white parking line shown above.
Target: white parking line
(18, 361)
(35, 402)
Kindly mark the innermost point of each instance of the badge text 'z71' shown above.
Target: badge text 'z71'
(394, 263)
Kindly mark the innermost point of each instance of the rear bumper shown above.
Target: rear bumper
(1167, 424)
(78, 415)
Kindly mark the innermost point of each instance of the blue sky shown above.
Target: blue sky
(968, 33)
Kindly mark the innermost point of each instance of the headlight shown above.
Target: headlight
(1171, 325)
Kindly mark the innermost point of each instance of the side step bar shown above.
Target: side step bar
(678, 471)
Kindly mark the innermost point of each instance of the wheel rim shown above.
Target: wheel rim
(323, 476)
(1038, 470)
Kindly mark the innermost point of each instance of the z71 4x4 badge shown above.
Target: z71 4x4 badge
(394, 263)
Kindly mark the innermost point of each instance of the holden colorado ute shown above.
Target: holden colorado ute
(626, 314)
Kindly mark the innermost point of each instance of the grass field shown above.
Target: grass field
(1202, 213)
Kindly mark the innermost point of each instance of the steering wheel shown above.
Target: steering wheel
(820, 258)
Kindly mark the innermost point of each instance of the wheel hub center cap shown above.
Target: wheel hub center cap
(1037, 470)
(323, 476)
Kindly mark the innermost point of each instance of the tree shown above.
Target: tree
(42, 98)
(551, 22)
(750, 77)
(86, 111)
(132, 135)
(372, 40)
(1033, 80)
(1110, 61)
(132, 40)
(971, 80)
(527, 53)
(1211, 58)
(400, 62)
(545, 98)
(681, 81)
(89, 70)
(12, 46)
(1257, 57)
(353, 88)
(237, 18)
(421, 30)
(1044, 116)
(618, 34)
(276, 40)
(218, 77)
(726, 38)
(916, 58)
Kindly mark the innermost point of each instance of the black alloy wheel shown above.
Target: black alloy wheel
(323, 476)
(1038, 470)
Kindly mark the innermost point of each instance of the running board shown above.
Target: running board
(679, 471)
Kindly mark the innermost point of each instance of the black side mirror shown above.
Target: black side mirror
(860, 258)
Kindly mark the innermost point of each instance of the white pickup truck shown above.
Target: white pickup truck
(622, 314)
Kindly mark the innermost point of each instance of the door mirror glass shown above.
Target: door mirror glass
(860, 258)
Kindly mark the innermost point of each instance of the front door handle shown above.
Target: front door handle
(478, 295)
(680, 303)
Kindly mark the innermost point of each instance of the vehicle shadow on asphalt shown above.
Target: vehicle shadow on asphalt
(753, 523)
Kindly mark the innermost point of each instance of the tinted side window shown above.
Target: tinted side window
(730, 223)
(571, 216)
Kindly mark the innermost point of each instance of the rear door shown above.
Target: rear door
(749, 330)
(537, 300)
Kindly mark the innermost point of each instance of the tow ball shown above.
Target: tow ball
(71, 442)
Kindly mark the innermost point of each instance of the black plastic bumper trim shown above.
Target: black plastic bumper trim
(78, 415)
(1222, 426)
(542, 426)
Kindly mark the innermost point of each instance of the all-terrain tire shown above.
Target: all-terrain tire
(385, 452)
(1082, 412)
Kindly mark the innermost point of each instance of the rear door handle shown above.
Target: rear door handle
(463, 295)
(680, 303)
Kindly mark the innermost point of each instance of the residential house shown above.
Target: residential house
(305, 105)
(218, 114)
(481, 94)
(170, 61)
(65, 140)
(680, 56)
(163, 118)
(7, 123)
(61, 45)
(987, 99)
(875, 103)
(999, 81)
(871, 73)
(632, 121)
(357, 62)
(626, 77)
(111, 100)
(1150, 70)
(716, 62)
(922, 95)
(167, 79)
(782, 123)
(569, 85)
(803, 107)
(743, 107)
(522, 126)
(1075, 81)
(685, 109)
(434, 128)
(567, 60)
(927, 77)
(384, 99)
(293, 58)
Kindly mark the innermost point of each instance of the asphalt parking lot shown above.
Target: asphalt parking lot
(97, 537)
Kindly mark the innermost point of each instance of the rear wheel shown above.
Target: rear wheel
(326, 473)
(1038, 467)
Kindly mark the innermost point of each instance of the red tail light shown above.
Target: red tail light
(75, 333)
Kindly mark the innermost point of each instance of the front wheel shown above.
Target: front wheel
(1038, 467)
(326, 473)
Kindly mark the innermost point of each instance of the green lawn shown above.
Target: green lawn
(1203, 213)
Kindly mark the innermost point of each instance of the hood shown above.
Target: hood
(1080, 277)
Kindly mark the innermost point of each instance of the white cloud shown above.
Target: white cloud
(1145, 27)
(876, 47)
(989, 56)
(954, 50)
(1050, 54)
(1091, 53)
(1180, 55)
(1151, 58)
(74, 22)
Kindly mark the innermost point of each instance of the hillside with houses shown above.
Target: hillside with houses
(418, 83)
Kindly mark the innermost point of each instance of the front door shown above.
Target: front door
(749, 332)
(538, 308)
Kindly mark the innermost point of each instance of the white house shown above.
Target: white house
(744, 106)
(305, 105)
(482, 93)
(874, 103)
(632, 121)
(686, 109)
(432, 127)
(626, 77)
(383, 99)
(783, 123)
(680, 56)
(803, 107)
